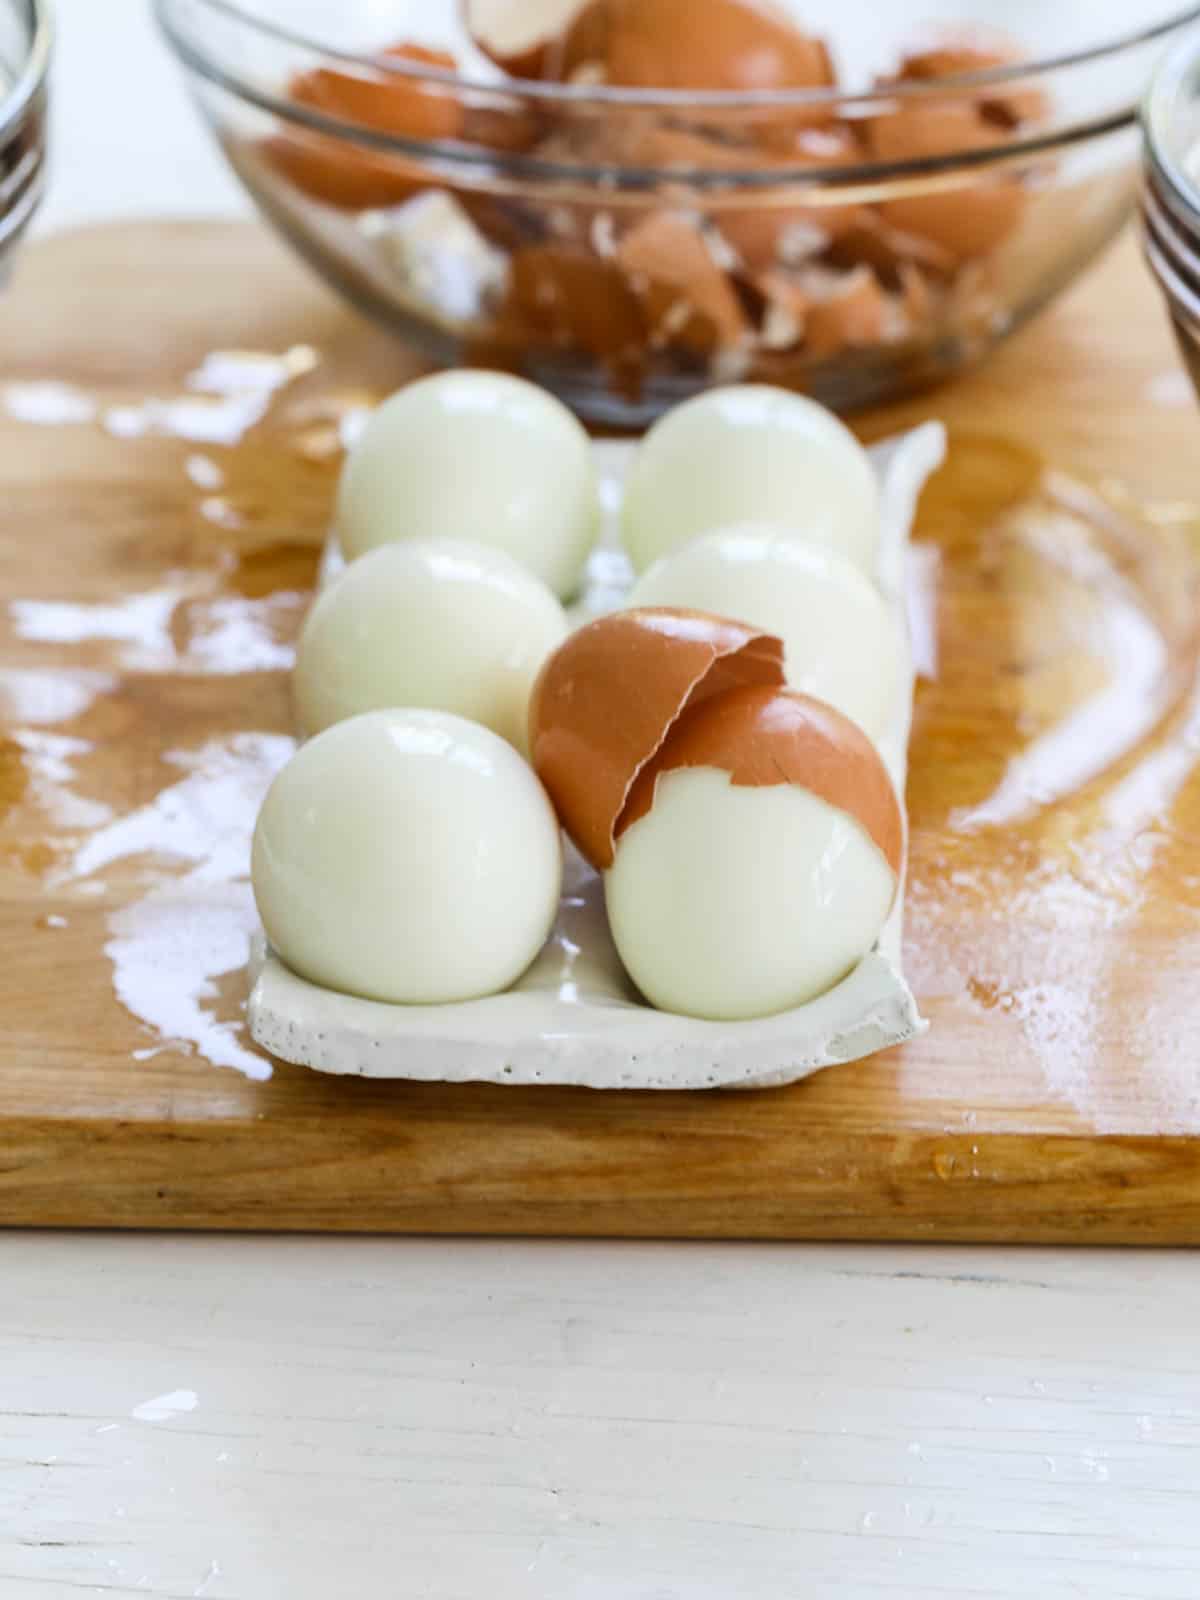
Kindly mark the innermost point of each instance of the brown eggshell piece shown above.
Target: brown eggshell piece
(874, 243)
(396, 105)
(916, 293)
(524, 38)
(609, 696)
(853, 314)
(510, 129)
(966, 223)
(583, 48)
(1010, 104)
(340, 173)
(758, 233)
(688, 298)
(763, 737)
(568, 296)
(710, 44)
(941, 128)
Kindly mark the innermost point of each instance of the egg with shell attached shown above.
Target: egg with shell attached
(750, 837)
(757, 858)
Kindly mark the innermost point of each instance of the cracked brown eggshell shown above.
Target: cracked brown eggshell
(979, 212)
(523, 37)
(758, 858)
(607, 700)
(956, 53)
(742, 45)
(343, 174)
(763, 736)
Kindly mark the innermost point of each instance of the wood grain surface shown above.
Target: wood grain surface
(161, 512)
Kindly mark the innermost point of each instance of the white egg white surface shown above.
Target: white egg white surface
(733, 903)
(751, 453)
(479, 456)
(436, 623)
(407, 856)
(841, 639)
(573, 1018)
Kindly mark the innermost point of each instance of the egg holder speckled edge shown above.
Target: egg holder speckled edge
(574, 1017)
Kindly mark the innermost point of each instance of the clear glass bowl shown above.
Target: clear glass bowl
(628, 247)
(24, 59)
(1171, 198)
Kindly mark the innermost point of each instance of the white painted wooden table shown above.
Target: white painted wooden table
(341, 1419)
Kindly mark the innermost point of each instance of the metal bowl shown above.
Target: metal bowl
(24, 60)
(1171, 194)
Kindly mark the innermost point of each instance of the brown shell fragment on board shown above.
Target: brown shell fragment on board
(609, 696)
(763, 737)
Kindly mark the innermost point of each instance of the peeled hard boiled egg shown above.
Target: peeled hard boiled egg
(479, 456)
(409, 857)
(439, 624)
(757, 858)
(840, 641)
(745, 453)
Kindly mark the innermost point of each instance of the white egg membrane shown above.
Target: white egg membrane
(574, 1018)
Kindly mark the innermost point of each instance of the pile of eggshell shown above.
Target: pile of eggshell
(709, 750)
(763, 285)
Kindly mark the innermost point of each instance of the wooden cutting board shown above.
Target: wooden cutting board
(161, 510)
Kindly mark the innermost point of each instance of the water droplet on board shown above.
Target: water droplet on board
(47, 403)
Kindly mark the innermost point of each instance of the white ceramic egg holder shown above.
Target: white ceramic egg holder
(574, 1018)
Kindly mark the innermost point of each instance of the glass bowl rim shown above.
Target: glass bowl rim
(15, 103)
(674, 100)
(756, 178)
